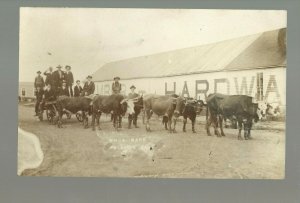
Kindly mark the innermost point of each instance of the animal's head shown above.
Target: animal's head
(180, 103)
(273, 109)
(255, 112)
(199, 106)
(127, 105)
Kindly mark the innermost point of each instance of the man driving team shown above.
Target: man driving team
(132, 117)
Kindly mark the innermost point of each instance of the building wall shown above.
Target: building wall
(271, 88)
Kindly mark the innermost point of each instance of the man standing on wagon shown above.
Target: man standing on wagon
(69, 79)
(116, 86)
(58, 77)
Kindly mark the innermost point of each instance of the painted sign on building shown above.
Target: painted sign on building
(262, 84)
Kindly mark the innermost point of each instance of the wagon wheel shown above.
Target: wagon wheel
(50, 113)
(79, 117)
(68, 115)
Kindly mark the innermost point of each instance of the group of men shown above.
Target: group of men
(59, 83)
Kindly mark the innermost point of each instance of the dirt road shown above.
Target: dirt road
(74, 151)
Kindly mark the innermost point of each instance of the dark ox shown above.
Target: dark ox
(72, 105)
(161, 105)
(115, 104)
(188, 108)
(239, 107)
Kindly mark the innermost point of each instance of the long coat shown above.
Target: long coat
(39, 82)
(49, 78)
(69, 78)
(58, 78)
(89, 88)
(77, 91)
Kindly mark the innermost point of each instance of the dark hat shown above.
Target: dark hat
(117, 78)
(59, 66)
(68, 67)
(132, 86)
(89, 76)
(77, 80)
(39, 72)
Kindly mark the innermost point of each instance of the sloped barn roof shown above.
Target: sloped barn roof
(261, 50)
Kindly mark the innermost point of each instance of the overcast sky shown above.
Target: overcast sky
(86, 39)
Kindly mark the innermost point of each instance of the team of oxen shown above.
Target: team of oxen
(219, 108)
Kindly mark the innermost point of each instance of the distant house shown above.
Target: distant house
(26, 90)
(253, 65)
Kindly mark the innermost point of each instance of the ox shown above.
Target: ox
(162, 105)
(239, 107)
(115, 104)
(71, 105)
(188, 108)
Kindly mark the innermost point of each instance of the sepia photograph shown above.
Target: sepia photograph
(152, 93)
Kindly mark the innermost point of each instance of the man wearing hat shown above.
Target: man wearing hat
(39, 80)
(49, 76)
(77, 89)
(69, 79)
(132, 117)
(116, 86)
(63, 91)
(58, 77)
(89, 86)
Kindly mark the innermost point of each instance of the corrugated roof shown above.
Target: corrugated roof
(253, 51)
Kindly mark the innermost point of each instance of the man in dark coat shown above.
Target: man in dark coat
(49, 95)
(69, 79)
(63, 91)
(132, 117)
(39, 97)
(39, 81)
(77, 89)
(89, 87)
(49, 76)
(58, 77)
(116, 86)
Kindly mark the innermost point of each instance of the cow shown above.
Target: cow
(115, 104)
(72, 105)
(221, 106)
(188, 108)
(161, 105)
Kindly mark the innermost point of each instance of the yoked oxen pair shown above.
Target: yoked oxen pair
(115, 104)
(72, 105)
(188, 108)
(161, 105)
(239, 107)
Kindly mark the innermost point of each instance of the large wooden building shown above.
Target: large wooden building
(253, 65)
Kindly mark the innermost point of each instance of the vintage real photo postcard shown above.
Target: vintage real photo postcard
(164, 93)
